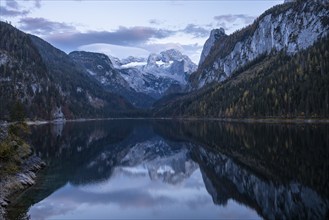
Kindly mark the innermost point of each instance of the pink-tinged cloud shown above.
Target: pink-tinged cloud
(123, 36)
(43, 26)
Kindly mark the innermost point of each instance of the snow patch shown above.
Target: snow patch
(135, 170)
(133, 64)
(165, 169)
(91, 72)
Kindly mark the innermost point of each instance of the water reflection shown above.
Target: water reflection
(176, 169)
(273, 201)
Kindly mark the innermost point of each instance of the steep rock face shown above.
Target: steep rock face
(161, 74)
(215, 35)
(291, 27)
(47, 82)
(100, 67)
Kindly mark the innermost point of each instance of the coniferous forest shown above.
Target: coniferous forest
(275, 85)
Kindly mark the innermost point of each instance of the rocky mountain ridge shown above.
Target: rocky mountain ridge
(139, 80)
(215, 36)
(53, 85)
(100, 67)
(162, 74)
(276, 67)
(291, 27)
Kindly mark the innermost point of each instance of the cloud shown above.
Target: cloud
(195, 30)
(43, 26)
(16, 8)
(158, 47)
(231, 22)
(37, 3)
(155, 21)
(115, 50)
(144, 50)
(138, 41)
(12, 12)
(224, 25)
(12, 4)
(75, 198)
(123, 36)
(193, 51)
(230, 18)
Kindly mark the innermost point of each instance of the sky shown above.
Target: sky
(131, 28)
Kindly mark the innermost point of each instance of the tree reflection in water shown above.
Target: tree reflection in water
(278, 170)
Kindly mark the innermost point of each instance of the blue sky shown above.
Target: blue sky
(123, 28)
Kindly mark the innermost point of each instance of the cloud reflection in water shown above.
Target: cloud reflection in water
(127, 196)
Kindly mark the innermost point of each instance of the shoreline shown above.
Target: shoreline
(18, 182)
(237, 120)
(26, 176)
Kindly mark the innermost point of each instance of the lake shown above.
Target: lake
(161, 169)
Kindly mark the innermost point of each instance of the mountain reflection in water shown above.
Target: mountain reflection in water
(178, 169)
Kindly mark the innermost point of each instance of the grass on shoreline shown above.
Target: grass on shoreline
(13, 148)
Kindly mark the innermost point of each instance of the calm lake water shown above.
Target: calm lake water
(159, 169)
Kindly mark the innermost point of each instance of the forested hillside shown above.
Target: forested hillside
(271, 86)
(46, 84)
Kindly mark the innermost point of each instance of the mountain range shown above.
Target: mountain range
(47, 83)
(141, 81)
(275, 67)
(289, 27)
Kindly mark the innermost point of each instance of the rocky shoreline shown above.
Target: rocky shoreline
(18, 182)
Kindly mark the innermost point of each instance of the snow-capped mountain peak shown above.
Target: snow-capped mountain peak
(171, 54)
(162, 73)
(172, 61)
(158, 75)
